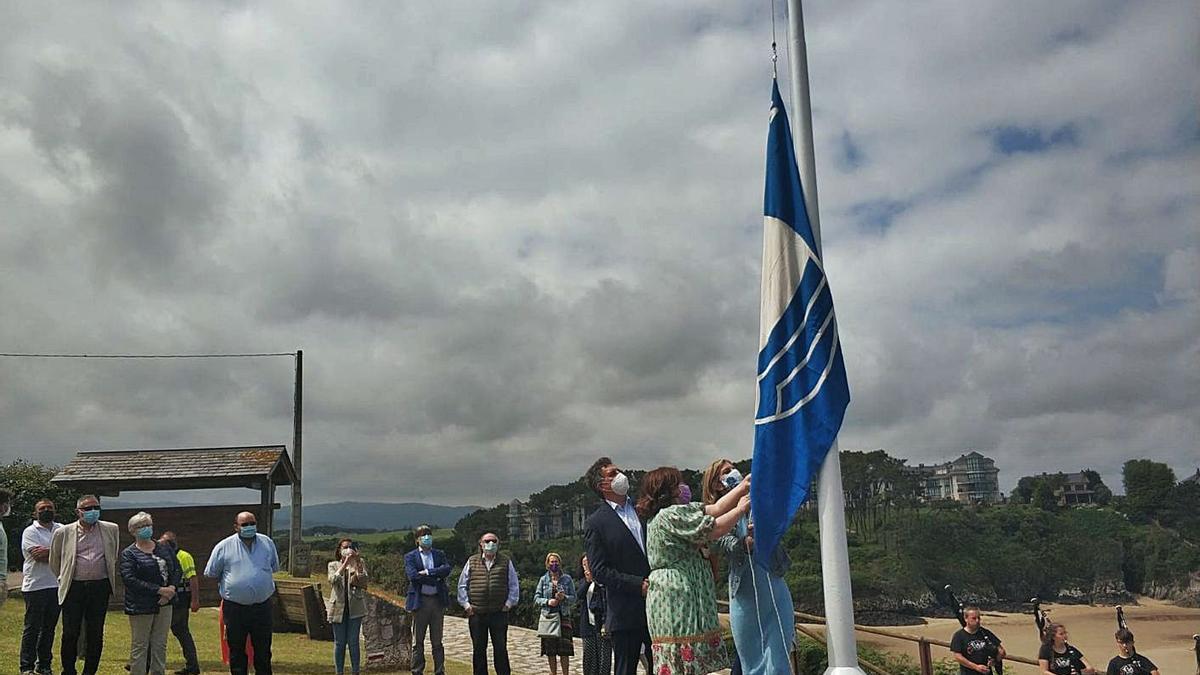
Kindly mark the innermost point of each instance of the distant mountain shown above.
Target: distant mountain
(376, 515)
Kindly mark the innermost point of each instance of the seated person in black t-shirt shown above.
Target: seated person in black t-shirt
(975, 647)
(1128, 661)
(1059, 658)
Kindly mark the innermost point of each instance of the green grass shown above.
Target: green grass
(292, 653)
(439, 535)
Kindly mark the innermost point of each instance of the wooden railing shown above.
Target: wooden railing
(924, 651)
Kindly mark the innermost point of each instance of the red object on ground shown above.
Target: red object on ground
(225, 643)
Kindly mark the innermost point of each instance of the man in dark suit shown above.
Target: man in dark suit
(427, 568)
(615, 539)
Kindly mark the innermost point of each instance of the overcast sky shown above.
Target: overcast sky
(512, 236)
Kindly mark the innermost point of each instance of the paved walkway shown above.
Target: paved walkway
(524, 649)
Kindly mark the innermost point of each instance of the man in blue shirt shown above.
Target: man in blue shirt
(243, 563)
(427, 569)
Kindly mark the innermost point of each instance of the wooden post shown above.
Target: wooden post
(297, 463)
(926, 657)
(268, 506)
(264, 508)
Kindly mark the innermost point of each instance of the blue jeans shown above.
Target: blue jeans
(345, 634)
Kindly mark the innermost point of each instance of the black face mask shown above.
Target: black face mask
(45, 517)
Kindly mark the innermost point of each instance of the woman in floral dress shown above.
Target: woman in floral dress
(681, 603)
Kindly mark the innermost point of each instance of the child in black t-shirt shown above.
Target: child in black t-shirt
(1128, 661)
(974, 647)
(1056, 657)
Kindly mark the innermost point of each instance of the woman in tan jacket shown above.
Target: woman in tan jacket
(347, 603)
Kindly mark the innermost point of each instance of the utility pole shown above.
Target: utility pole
(297, 448)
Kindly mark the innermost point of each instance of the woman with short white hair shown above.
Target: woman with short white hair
(151, 574)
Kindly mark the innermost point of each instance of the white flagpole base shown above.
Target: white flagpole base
(844, 670)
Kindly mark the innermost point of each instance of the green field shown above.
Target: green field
(439, 535)
(292, 652)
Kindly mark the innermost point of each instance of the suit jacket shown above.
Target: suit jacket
(62, 554)
(436, 577)
(619, 563)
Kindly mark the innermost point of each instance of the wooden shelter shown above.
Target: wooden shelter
(108, 473)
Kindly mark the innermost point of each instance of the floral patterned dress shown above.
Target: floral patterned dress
(681, 604)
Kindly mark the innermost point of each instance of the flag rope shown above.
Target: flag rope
(778, 617)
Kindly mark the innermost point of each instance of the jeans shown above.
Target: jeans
(345, 634)
(252, 620)
(183, 633)
(85, 607)
(37, 638)
(148, 642)
(495, 626)
(429, 616)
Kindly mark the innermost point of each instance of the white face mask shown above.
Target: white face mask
(620, 484)
(346, 552)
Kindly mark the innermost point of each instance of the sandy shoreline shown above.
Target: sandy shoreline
(1164, 634)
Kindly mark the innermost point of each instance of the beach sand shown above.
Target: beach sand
(1163, 632)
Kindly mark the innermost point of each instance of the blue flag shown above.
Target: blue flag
(802, 390)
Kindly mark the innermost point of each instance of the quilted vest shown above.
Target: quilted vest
(487, 589)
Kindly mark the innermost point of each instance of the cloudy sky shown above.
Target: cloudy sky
(511, 236)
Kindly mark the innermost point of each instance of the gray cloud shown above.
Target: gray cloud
(512, 238)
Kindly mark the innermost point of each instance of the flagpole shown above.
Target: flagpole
(831, 504)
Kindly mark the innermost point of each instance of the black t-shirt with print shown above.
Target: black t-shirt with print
(976, 647)
(1064, 663)
(1134, 665)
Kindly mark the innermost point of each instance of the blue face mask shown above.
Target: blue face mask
(426, 540)
(146, 532)
(91, 517)
(248, 531)
(490, 546)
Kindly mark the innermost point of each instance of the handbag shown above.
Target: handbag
(549, 624)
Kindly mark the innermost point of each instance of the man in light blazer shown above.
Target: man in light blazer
(84, 556)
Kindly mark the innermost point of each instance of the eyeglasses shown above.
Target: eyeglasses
(93, 507)
(491, 541)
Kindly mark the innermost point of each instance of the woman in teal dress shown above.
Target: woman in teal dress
(760, 604)
(681, 603)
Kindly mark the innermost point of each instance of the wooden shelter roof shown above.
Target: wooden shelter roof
(110, 471)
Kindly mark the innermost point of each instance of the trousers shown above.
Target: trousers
(254, 621)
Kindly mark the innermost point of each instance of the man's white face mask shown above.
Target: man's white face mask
(620, 484)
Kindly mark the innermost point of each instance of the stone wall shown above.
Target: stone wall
(387, 630)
